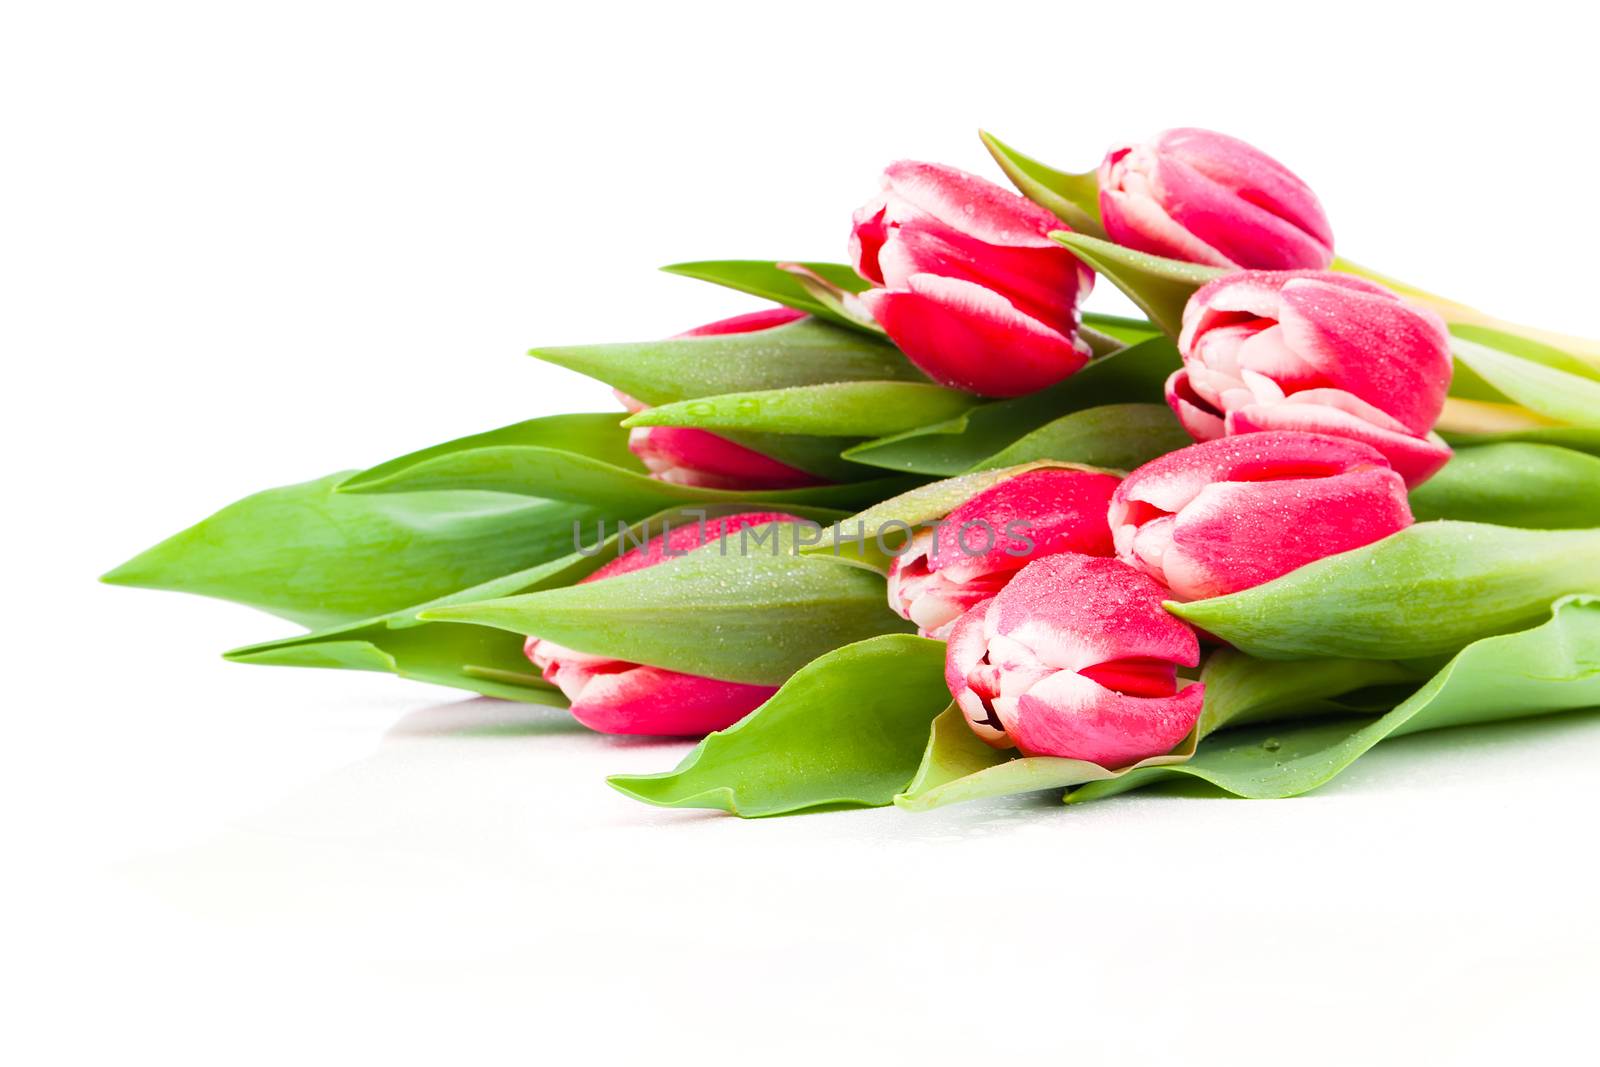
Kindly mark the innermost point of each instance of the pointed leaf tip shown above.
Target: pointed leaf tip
(1160, 287)
(1072, 198)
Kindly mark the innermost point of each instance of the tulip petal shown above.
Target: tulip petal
(749, 322)
(977, 547)
(1253, 175)
(1074, 717)
(1044, 283)
(1240, 233)
(954, 330)
(1235, 535)
(1073, 611)
(1393, 355)
(685, 456)
(1415, 459)
(965, 649)
(1171, 482)
(1055, 510)
(1134, 218)
(970, 204)
(1196, 414)
(869, 229)
(649, 700)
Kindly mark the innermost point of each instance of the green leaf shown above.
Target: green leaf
(1569, 398)
(839, 301)
(1528, 485)
(1553, 667)
(750, 610)
(769, 280)
(839, 409)
(1428, 590)
(1118, 436)
(1577, 438)
(1160, 287)
(319, 557)
(481, 659)
(957, 767)
(1241, 689)
(802, 353)
(686, 368)
(598, 436)
(1072, 198)
(475, 658)
(1136, 374)
(846, 731)
(582, 458)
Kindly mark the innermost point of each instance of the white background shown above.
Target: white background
(247, 243)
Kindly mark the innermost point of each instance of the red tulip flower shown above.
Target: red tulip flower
(617, 697)
(1222, 516)
(1076, 657)
(1205, 197)
(1315, 351)
(971, 287)
(981, 545)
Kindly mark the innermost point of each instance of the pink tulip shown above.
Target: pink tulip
(617, 697)
(702, 459)
(972, 289)
(975, 550)
(1205, 197)
(1317, 351)
(1222, 516)
(1076, 658)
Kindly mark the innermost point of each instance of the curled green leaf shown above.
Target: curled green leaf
(1553, 667)
(1428, 590)
(845, 731)
(684, 368)
(748, 608)
(957, 767)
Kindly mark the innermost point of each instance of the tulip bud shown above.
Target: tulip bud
(1222, 516)
(1208, 198)
(699, 458)
(973, 290)
(1076, 657)
(617, 697)
(970, 555)
(1315, 351)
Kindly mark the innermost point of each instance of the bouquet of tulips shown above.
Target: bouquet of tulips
(919, 530)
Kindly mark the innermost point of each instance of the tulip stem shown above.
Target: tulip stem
(1481, 416)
